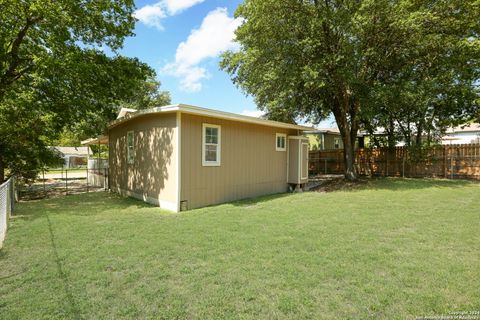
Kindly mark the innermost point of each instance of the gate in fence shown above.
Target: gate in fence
(461, 161)
(7, 203)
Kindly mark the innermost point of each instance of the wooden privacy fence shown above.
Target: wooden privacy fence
(459, 161)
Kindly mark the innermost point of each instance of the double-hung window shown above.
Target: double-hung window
(211, 144)
(336, 143)
(281, 142)
(130, 147)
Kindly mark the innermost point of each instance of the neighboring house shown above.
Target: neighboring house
(325, 139)
(464, 134)
(125, 111)
(73, 157)
(182, 157)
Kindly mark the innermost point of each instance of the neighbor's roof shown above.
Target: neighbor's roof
(472, 127)
(95, 141)
(73, 151)
(324, 130)
(183, 108)
(124, 111)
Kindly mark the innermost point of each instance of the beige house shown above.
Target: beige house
(181, 157)
(464, 134)
(325, 139)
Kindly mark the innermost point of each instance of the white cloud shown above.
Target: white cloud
(252, 113)
(153, 14)
(177, 6)
(215, 35)
(191, 78)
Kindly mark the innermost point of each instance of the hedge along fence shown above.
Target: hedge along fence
(7, 202)
(459, 161)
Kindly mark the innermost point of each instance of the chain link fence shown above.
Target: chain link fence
(64, 181)
(7, 203)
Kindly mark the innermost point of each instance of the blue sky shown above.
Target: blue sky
(182, 41)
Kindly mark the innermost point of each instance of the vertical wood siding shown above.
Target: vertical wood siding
(153, 173)
(250, 165)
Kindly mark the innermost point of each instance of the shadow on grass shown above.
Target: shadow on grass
(389, 183)
(376, 183)
(259, 200)
(86, 204)
(89, 204)
(398, 184)
(72, 305)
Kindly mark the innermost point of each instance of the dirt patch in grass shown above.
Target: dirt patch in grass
(55, 188)
(340, 184)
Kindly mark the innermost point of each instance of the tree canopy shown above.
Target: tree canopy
(60, 71)
(360, 61)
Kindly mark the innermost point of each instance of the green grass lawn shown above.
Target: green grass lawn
(394, 249)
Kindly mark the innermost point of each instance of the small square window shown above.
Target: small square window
(281, 142)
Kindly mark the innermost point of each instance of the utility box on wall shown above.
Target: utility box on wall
(297, 160)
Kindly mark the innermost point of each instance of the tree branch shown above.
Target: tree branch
(11, 75)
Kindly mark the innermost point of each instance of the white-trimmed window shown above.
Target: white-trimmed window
(336, 142)
(130, 147)
(211, 144)
(281, 142)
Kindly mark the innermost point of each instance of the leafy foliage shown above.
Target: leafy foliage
(370, 63)
(55, 76)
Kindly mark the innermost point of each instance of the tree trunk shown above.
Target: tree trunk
(391, 134)
(348, 130)
(349, 159)
(418, 138)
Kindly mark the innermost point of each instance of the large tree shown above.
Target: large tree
(80, 97)
(146, 94)
(33, 32)
(312, 58)
(55, 74)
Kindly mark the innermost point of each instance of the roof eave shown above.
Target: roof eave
(184, 108)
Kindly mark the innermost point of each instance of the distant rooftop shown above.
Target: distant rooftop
(472, 127)
(72, 151)
(124, 111)
(325, 130)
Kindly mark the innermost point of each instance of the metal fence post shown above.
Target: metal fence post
(87, 176)
(66, 182)
(451, 165)
(44, 188)
(14, 198)
(8, 207)
(105, 179)
(386, 162)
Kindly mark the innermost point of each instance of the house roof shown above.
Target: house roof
(73, 151)
(95, 141)
(124, 111)
(183, 108)
(325, 130)
(472, 127)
